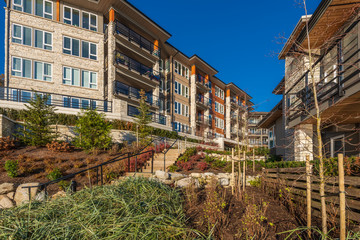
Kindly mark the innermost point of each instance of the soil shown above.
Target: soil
(278, 219)
(36, 163)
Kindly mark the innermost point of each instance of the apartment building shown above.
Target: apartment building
(334, 40)
(258, 137)
(100, 54)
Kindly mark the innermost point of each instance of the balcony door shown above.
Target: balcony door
(337, 145)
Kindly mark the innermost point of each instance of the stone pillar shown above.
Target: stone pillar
(193, 99)
(303, 142)
(228, 114)
(111, 60)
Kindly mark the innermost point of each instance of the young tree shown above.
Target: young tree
(143, 118)
(93, 131)
(38, 116)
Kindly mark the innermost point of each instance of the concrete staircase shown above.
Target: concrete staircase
(170, 158)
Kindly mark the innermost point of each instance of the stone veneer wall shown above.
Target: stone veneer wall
(7, 126)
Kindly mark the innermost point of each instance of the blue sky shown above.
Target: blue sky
(238, 38)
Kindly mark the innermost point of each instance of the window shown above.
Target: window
(71, 46)
(89, 21)
(43, 39)
(22, 35)
(44, 8)
(71, 16)
(181, 70)
(23, 5)
(219, 123)
(71, 76)
(42, 71)
(181, 109)
(181, 89)
(219, 108)
(21, 67)
(219, 92)
(89, 50)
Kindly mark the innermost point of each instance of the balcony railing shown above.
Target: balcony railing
(203, 100)
(131, 92)
(131, 64)
(335, 73)
(203, 81)
(155, 117)
(138, 39)
(237, 103)
(57, 100)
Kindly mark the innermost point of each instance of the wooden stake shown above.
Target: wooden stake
(232, 152)
(239, 177)
(308, 194)
(233, 175)
(253, 160)
(244, 171)
(342, 197)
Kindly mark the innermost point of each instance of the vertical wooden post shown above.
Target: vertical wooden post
(308, 194)
(232, 152)
(233, 175)
(342, 197)
(239, 177)
(244, 172)
(253, 160)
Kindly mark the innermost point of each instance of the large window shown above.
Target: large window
(42, 71)
(181, 89)
(23, 5)
(72, 46)
(25, 68)
(181, 109)
(44, 8)
(181, 70)
(219, 92)
(87, 21)
(219, 108)
(23, 35)
(77, 77)
(219, 123)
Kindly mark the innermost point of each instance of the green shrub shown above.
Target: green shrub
(173, 168)
(64, 185)
(11, 167)
(54, 174)
(93, 131)
(256, 182)
(218, 164)
(209, 159)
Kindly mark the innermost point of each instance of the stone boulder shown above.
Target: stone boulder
(166, 181)
(22, 194)
(185, 182)
(6, 188)
(58, 195)
(195, 175)
(177, 176)
(5, 202)
(208, 175)
(223, 175)
(10, 195)
(162, 175)
(224, 182)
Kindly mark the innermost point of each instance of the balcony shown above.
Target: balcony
(123, 90)
(57, 100)
(337, 86)
(237, 104)
(203, 102)
(134, 41)
(203, 83)
(155, 117)
(134, 69)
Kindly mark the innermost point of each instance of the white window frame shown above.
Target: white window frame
(92, 55)
(15, 70)
(45, 13)
(67, 79)
(22, 67)
(67, 49)
(93, 84)
(90, 25)
(43, 43)
(17, 5)
(71, 16)
(342, 137)
(21, 31)
(43, 72)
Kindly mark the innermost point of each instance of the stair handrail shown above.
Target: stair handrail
(165, 152)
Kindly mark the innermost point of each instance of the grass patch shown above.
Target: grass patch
(135, 209)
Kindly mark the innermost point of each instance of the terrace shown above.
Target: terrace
(203, 83)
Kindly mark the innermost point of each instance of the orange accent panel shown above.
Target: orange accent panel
(228, 93)
(58, 10)
(156, 45)
(112, 15)
(193, 69)
(206, 78)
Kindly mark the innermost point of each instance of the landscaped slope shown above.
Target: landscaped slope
(134, 209)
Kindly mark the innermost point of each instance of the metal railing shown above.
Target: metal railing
(131, 92)
(132, 64)
(132, 36)
(99, 169)
(203, 100)
(57, 100)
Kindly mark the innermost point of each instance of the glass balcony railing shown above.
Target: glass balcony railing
(132, 36)
(131, 64)
(121, 88)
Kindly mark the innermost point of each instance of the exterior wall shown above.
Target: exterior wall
(7, 126)
(216, 114)
(56, 57)
(262, 136)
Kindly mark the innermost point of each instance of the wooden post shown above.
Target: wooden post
(342, 197)
(239, 177)
(308, 194)
(232, 152)
(233, 175)
(253, 160)
(244, 172)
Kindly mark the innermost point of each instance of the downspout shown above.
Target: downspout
(7, 60)
(172, 90)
